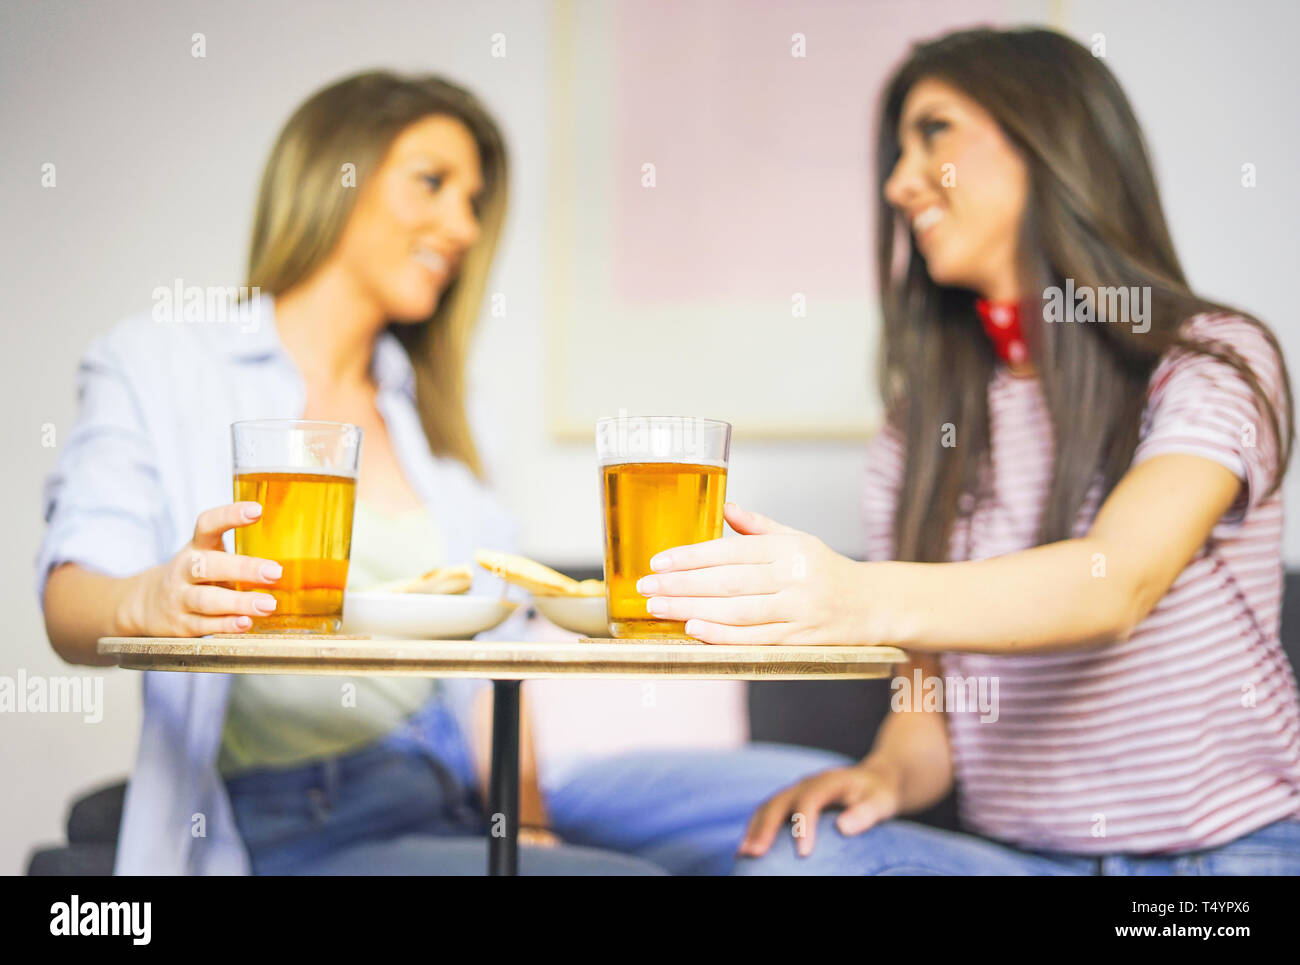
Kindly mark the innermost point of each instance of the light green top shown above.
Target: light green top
(277, 720)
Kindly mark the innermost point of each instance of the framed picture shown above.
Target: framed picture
(711, 211)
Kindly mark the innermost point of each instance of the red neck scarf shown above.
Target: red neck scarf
(1002, 325)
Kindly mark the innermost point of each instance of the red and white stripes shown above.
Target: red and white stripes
(1187, 734)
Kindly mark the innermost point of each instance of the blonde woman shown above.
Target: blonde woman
(368, 294)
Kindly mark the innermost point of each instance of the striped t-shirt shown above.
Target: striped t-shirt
(1187, 734)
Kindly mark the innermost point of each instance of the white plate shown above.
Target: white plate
(423, 616)
(579, 614)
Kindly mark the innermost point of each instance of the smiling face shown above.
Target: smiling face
(962, 187)
(414, 219)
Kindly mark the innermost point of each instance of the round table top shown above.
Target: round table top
(320, 654)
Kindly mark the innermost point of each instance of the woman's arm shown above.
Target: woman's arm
(1077, 592)
(782, 586)
(98, 570)
(80, 607)
(183, 597)
(913, 743)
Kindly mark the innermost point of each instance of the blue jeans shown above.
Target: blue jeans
(686, 811)
(406, 805)
(904, 848)
(403, 805)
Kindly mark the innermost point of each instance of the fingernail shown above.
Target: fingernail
(272, 572)
(265, 602)
(692, 627)
(656, 605)
(660, 561)
(243, 622)
(253, 511)
(647, 585)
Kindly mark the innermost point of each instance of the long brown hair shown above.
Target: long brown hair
(303, 206)
(1093, 215)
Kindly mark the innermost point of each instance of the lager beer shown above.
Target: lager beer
(304, 475)
(663, 483)
(651, 507)
(306, 527)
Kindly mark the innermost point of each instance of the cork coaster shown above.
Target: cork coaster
(305, 637)
(655, 640)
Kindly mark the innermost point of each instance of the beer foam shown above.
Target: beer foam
(671, 460)
(298, 471)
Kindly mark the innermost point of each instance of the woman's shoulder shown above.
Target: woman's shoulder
(1222, 394)
(1225, 327)
(1213, 335)
(1232, 330)
(209, 332)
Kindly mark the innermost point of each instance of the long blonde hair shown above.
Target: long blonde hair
(303, 205)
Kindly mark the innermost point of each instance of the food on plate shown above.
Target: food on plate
(534, 577)
(440, 579)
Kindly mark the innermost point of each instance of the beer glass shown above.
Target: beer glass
(304, 474)
(663, 481)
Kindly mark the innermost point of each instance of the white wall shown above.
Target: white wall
(1213, 85)
(157, 158)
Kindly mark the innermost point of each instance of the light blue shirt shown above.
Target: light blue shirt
(150, 451)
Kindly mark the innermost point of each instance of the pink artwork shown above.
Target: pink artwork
(759, 120)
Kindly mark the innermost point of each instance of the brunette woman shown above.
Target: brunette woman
(1079, 503)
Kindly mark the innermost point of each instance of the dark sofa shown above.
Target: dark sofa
(838, 715)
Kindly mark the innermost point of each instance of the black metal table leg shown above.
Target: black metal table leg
(503, 792)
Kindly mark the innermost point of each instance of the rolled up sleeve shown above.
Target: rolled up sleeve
(103, 503)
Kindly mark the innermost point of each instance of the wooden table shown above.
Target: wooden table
(505, 664)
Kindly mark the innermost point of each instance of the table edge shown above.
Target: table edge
(506, 660)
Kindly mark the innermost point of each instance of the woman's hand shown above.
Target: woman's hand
(184, 597)
(773, 585)
(869, 793)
